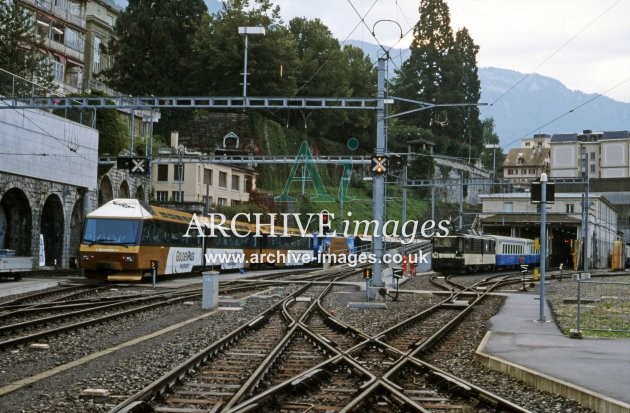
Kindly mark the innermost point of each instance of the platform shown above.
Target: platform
(593, 371)
(26, 285)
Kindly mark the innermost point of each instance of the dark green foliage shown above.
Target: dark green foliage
(491, 156)
(153, 53)
(113, 134)
(21, 53)
(442, 69)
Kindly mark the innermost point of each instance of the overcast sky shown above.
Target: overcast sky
(585, 44)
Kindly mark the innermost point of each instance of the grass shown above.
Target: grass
(607, 316)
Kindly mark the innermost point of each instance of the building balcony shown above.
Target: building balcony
(64, 50)
(63, 14)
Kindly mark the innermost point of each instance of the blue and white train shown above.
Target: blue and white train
(470, 253)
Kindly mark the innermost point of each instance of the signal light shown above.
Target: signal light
(325, 217)
(154, 264)
(367, 273)
(379, 164)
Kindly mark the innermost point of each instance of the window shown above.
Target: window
(176, 173)
(96, 57)
(208, 199)
(112, 231)
(508, 206)
(178, 196)
(57, 71)
(162, 173)
(222, 201)
(592, 156)
(162, 196)
(592, 168)
(569, 208)
(236, 182)
(223, 179)
(73, 40)
(207, 176)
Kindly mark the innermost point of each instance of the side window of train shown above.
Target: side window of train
(150, 232)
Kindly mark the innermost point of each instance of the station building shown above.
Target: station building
(513, 214)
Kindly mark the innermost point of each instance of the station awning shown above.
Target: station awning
(529, 219)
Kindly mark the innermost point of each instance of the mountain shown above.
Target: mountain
(537, 105)
(533, 103)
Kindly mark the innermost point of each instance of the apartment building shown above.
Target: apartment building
(526, 163)
(100, 18)
(73, 33)
(224, 185)
(605, 154)
(62, 25)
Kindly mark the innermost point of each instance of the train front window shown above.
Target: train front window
(111, 231)
(444, 244)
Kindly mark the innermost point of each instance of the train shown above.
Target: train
(473, 252)
(126, 240)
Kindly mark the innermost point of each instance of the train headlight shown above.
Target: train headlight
(85, 258)
(128, 258)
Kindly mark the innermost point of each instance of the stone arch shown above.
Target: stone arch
(140, 193)
(76, 229)
(52, 228)
(105, 191)
(19, 226)
(124, 190)
(3, 226)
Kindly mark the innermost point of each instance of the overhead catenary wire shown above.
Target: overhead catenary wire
(597, 96)
(565, 44)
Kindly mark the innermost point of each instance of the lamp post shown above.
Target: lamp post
(248, 30)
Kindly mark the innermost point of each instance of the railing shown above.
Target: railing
(64, 14)
(12, 86)
(603, 306)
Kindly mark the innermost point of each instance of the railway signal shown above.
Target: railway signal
(154, 268)
(137, 165)
(379, 165)
(367, 273)
(325, 216)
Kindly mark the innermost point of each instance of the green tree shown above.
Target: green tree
(218, 48)
(468, 90)
(442, 69)
(21, 52)
(152, 53)
(361, 74)
(491, 156)
(113, 133)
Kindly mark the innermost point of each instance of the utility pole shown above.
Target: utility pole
(543, 243)
(404, 202)
(585, 207)
(378, 180)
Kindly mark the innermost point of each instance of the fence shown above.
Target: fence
(12, 86)
(603, 306)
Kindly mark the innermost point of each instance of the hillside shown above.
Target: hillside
(538, 100)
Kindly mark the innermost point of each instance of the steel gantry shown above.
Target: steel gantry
(243, 102)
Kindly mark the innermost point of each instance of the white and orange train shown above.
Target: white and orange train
(124, 239)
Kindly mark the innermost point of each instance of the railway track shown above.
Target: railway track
(73, 316)
(297, 357)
